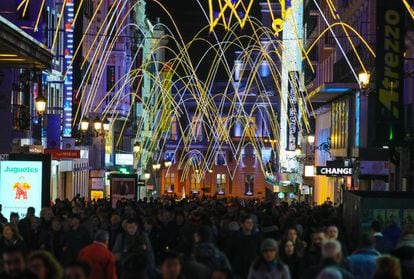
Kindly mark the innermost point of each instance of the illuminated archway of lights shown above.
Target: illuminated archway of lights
(240, 11)
(181, 75)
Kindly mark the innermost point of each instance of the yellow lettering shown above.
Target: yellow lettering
(387, 97)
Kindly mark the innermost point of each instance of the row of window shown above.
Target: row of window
(220, 183)
(247, 127)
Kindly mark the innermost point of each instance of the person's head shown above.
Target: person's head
(14, 218)
(30, 212)
(318, 238)
(170, 266)
(376, 226)
(388, 267)
(331, 249)
(203, 234)
(56, 225)
(115, 219)
(221, 274)
(366, 240)
(9, 232)
(269, 249)
(75, 222)
(34, 223)
(180, 218)
(330, 272)
(332, 232)
(289, 248)
(131, 227)
(148, 224)
(46, 214)
(14, 263)
(408, 230)
(164, 216)
(44, 265)
(102, 237)
(77, 270)
(247, 224)
(292, 234)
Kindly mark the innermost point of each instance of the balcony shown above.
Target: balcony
(21, 118)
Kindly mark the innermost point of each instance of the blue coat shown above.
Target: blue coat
(362, 263)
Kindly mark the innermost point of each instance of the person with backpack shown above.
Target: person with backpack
(206, 252)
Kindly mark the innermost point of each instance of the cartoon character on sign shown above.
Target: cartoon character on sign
(21, 187)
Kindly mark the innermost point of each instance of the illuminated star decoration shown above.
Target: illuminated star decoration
(240, 10)
(232, 6)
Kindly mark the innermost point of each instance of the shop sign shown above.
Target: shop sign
(122, 159)
(292, 111)
(38, 149)
(333, 171)
(389, 73)
(58, 154)
(21, 186)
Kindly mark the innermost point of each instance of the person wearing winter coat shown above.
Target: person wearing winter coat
(362, 262)
(267, 265)
(206, 252)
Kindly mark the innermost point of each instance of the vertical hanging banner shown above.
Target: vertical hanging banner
(388, 97)
(53, 131)
(292, 112)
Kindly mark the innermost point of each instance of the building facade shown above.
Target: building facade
(364, 122)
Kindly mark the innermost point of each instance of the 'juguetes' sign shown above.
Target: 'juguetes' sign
(20, 186)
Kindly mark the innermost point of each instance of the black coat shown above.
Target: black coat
(244, 250)
(382, 244)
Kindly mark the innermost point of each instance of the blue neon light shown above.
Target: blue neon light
(357, 113)
(336, 90)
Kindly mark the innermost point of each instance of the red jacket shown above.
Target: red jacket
(101, 260)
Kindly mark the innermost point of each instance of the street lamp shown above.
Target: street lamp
(137, 147)
(106, 125)
(146, 176)
(364, 79)
(156, 166)
(40, 104)
(97, 124)
(167, 164)
(84, 124)
(311, 139)
(298, 151)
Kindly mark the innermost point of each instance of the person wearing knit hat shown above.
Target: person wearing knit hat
(269, 244)
(267, 265)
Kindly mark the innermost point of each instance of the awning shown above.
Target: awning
(326, 92)
(20, 50)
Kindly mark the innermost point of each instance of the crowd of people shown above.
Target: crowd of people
(199, 238)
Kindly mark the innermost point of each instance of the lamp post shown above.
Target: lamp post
(40, 105)
(156, 167)
(167, 165)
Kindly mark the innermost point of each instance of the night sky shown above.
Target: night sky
(190, 19)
